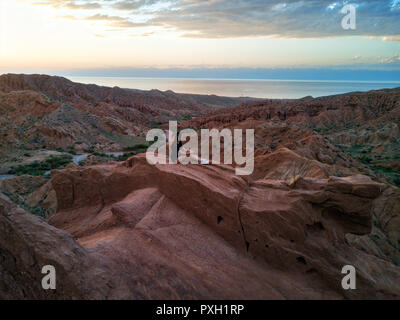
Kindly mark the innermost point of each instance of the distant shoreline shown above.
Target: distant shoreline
(234, 79)
(254, 88)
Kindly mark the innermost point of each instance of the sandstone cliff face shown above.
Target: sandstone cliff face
(384, 239)
(200, 232)
(28, 243)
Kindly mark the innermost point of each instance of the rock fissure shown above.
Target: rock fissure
(239, 218)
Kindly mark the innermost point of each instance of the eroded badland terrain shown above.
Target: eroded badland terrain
(83, 198)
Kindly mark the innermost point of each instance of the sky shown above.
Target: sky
(200, 38)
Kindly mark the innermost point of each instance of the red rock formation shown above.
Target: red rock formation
(43, 111)
(201, 232)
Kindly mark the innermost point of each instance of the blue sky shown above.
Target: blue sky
(201, 38)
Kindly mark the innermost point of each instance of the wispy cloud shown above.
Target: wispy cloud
(252, 18)
(90, 5)
(392, 60)
(73, 5)
(113, 21)
(128, 5)
(391, 38)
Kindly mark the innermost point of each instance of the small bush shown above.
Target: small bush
(155, 125)
(71, 150)
(126, 156)
(39, 168)
(187, 117)
(137, 147)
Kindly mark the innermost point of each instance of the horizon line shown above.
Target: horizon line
(322, 74)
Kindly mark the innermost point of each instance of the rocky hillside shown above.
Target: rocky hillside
(364, 126)
(136, 231)
(40, 111)
(322, 196)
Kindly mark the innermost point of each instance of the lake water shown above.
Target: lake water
(274, 89)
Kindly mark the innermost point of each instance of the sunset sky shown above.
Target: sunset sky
(56, 35)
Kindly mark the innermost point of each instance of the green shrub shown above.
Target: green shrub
(39, 168)
(187, 117)
(137, 147)
(126, 156)
(37, 211)
(98, 154)
(71, 150)
(155, 125)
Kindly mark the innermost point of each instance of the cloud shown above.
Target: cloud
(90, 5)
(147, 34)
(73, 5)
(258, 18)
(289, 18)
(129, 5)
(391, 38)
(392, 60)
(113, 21)
(103, 17)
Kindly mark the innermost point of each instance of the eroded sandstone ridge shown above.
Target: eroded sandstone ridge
(196, 232)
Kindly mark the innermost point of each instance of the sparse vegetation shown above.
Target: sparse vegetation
(137, 147)
(90, 150)
(37, 211)
(39, 168)
(126, 156)
(71, 150)
(393, 175)
(186, 117)
(102, 155)
(155, 125)
(365, 156)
